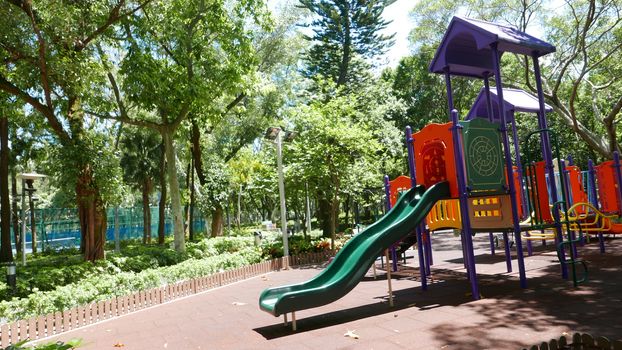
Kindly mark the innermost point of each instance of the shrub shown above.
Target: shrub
(104, 286)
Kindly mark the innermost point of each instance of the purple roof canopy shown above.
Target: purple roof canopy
(515, 101)
(465, 48)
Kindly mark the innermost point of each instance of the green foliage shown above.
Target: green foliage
(140, 157)
(58, 345)
(424, 93)
(273, 248)
(140, 268)
(93, 151)
(345, 33)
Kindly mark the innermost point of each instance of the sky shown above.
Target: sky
(401, 24)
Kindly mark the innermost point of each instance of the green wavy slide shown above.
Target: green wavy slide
(356, 257)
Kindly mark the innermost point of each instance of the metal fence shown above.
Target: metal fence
(60, 227)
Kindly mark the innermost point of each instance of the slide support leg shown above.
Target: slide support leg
(389, 281)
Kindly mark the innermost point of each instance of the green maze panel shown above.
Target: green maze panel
(483, 156)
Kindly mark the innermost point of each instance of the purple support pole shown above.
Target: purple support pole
(508, 254)
(491, 238)
(563, 172)
(519, 167)
(591, 174)
(467, 246)
(548, 159)
(413, 183)
(490, 118)
(508, 167)
(428, 249)
(464, 207)
(519, 170)
(616, 164)
(411, 156)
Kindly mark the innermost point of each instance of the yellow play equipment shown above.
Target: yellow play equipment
(486, 213)
(583, 217)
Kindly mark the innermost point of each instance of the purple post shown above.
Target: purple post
(519, 170)
(563, 172)
(490, 111)
(411, 156)
(506, 248)
(387, 192)
(508, 167)
(450, 102)
(591, 178)
(591, 172)
(464, 207)
(491, 238)
(546, 147)
(427, 241)
(616, 164)
(519, 166)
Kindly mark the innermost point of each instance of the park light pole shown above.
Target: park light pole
(274, 134)
(26, 178)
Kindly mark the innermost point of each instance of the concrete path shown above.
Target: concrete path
(444, 317)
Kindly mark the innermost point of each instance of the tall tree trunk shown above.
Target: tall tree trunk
(178, 218)
(217, 221)
(239, 208)
(15, 217)
(92, 215)
(324, 215)
(191, 210)
(162, 204)
(346, 209)
(186, 210)
(196, 152)
(147, 186)
(346, 46)
(6, 253)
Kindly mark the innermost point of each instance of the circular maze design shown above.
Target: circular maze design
(483, 156)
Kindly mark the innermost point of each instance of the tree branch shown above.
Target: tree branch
(113, 17)
(46, 111)
(113, 82)
(127, 120)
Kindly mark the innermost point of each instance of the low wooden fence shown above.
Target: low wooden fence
(59, 322)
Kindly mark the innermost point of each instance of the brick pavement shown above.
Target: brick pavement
(444, 317)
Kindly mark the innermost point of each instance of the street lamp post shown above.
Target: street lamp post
(274, 133)
(308, 209)
(26, 177)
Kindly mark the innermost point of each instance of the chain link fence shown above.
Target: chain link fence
(60, 227)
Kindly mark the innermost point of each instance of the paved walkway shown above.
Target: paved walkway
(444, 317)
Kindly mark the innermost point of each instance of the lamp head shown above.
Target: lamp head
(272, 133)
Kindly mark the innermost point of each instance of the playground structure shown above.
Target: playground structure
(464, 176)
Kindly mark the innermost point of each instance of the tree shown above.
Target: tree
(346, 32)
(183, 57)
(344, 146)
(46, 50)
(140, 160)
